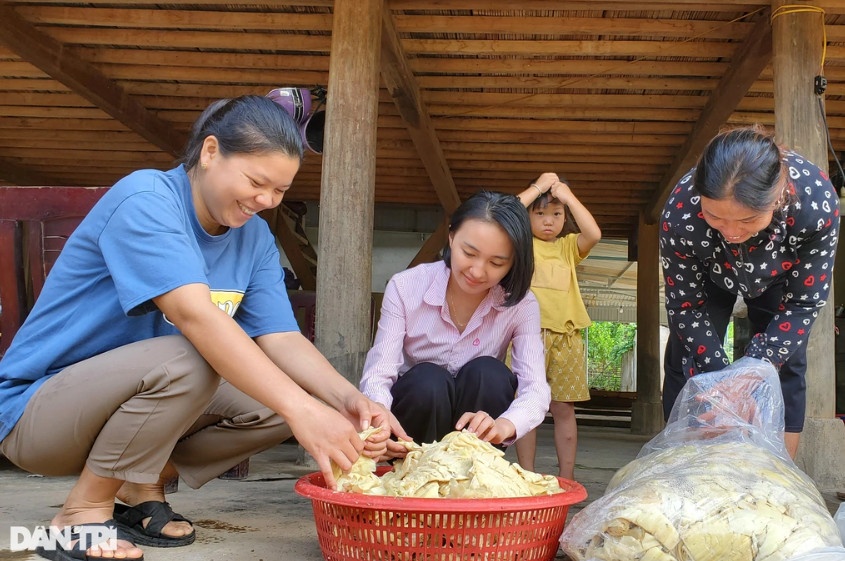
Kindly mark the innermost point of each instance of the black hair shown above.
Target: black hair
(570, 226)
(510, 215)
(249, 124)
(543, 201)
(743, 163)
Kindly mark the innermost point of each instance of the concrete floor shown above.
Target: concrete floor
(262, 519)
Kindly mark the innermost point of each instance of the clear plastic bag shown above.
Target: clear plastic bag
(824, 554)
(715, 485)
(740, 403)
(839, 518)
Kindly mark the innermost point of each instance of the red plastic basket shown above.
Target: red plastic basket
(353, 526)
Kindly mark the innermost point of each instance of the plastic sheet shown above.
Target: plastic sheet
(715, 485)
(824, 554)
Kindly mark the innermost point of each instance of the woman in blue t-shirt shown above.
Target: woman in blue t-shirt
(163, 342)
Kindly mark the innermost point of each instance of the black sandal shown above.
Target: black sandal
(76, 553)
(129, 519)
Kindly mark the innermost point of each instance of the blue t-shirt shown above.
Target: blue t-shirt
(141, 240)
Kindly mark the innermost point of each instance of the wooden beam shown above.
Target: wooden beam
(270, 41)
(400, 82)
(16, 174)
(154, 17)
(86, 80)
(627, 5)
(750, 59)
(261, 3)
(432, 246)
(590, 67)
(467, 101)
(533, 26)
(290, 246)
(614, 278)
(533, 48)
(301, 61)
(834, 6)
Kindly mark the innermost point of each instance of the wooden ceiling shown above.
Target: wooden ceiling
(617, 96)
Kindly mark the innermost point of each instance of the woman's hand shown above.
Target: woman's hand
(732, 399)
(366, 413)
(379, 445)
(486, 427)
(375, 445)
(328, 436)
(395, 450)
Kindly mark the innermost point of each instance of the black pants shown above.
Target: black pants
(761, 310)
(428, 400)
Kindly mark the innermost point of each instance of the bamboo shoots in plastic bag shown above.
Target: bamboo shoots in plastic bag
(715, 485)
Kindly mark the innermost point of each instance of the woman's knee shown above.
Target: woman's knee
(492, 371)
(424, 382)
(482, 363)
(184, 367)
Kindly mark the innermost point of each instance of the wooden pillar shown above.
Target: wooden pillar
(839, 269)
(797, 49)
(347, 193)
(647, 410)
(797, 44)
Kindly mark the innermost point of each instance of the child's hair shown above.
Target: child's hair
(509, 214)
(744, 164)
(569, 224)
(543, 201)
(249, 124)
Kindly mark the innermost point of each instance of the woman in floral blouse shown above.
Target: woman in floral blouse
(755, 220)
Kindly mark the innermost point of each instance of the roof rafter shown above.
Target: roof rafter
(747, 64)
(402, 86)
(400, 82)
(20, 175)
(85, 80)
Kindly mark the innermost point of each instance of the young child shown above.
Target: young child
(562, 312)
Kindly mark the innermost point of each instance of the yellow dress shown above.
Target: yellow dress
(562, 316)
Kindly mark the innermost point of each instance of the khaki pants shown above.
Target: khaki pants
(128, 411)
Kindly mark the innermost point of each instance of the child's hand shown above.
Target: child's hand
(561, 191)
(545, 181)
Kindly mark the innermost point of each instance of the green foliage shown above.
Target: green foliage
(729, 342)
(608, 381)
(607, 342)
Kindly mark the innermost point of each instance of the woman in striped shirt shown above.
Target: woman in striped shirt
(438, 358)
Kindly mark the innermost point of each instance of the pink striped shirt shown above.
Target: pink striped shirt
(415, 326)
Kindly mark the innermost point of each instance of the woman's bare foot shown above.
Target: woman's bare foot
(92, 501)
(109, 549)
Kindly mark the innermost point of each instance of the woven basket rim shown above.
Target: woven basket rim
(313, 486)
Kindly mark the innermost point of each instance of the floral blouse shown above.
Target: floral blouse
(797, 248)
